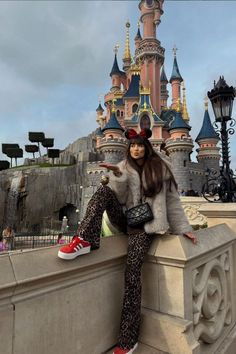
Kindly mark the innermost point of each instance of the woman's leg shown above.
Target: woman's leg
(131, 313)
(103, 199)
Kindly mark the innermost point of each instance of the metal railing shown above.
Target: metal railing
(35, 240)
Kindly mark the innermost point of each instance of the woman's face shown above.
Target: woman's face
(137, 151)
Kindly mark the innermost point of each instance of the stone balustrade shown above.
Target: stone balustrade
(48, 305)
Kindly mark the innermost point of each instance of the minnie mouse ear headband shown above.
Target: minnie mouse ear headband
(132, 134)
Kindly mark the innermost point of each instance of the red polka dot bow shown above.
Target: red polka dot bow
(132, 134)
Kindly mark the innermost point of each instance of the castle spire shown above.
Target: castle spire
(207, 131)
(127, 56)
(175, 81)
(184, 105)
(138, 35)
(175, 71)
(115, 68)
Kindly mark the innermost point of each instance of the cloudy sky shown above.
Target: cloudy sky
(56, 56)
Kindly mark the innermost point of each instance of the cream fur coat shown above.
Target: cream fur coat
(167, 210)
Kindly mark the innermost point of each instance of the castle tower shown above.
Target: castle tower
(175, 81)
(150, 54)
(100, 119)
(115, 73)
(113, 145)
(179, 146)
(138, 37)
(131, 97)
(127, 55)
(207, 139)
(164, 91)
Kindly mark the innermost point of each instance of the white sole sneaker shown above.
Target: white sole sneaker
(132, 350)
(69, 256)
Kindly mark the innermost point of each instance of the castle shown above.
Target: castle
(138, 98)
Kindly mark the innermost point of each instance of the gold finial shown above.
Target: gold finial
(184, 106)
(144, 90)
(127, 55)
(127, 24)
(113, 107)
(174, 50)
(206, 103)
(178, 105)
(116, 48)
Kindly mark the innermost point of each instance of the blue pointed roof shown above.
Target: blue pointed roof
(99, 109)
(163, 75)
(175, 72)
(133, 90)
(207, 131)
(119, 102)
(138, 35)
(113, 123)
(178, 122)
(115, 68)
(98, 132)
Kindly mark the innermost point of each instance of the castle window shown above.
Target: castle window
(121, 113)
(118, 113)
(145, 122)
(134, 108)
(184, 163)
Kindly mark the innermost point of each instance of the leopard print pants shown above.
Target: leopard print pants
(138, 245)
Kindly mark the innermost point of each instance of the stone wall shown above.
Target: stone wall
(189, 297)
(40, 194)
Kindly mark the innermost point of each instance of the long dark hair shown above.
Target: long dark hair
(152, 167)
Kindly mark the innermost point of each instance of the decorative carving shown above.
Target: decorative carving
(193, 215)
(211, 302)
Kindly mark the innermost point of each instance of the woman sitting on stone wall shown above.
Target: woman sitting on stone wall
(143, 177)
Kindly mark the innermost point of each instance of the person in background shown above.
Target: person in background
(60, 239)
(8, 235)
(3, 245)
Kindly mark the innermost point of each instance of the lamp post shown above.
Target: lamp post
(222, 97)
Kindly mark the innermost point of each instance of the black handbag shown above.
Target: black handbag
(138, 215)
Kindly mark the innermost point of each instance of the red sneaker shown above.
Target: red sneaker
(118, 350)
(75, 248)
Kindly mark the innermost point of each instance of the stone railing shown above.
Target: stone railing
(189, 298)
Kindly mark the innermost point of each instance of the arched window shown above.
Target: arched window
(121, 113)
(118, 113)
(134, 107)
(145, 122)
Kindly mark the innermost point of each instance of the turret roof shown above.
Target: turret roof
(99, 109)
(133, 90)
(163, 75)
(98, 132)
(178, 122)
(115, 68)
(175, 72)
(113, 123)
(138, 35)
(207, 131)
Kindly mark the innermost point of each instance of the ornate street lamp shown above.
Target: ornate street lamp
(223, 185)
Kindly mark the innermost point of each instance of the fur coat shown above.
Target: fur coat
(166, 205)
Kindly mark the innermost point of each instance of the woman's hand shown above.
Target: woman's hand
(191, 236)
(111, 167)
